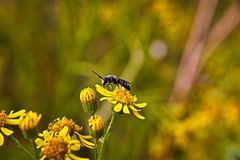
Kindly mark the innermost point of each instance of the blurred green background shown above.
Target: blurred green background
(49, 48)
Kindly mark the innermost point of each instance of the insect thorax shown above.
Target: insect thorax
(109, 79)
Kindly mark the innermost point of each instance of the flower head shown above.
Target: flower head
(29, 121)
(96, 126)
(11, 119)
(123, 101)
(88, 100)
(57, 147)
(58, 124)
(71, 128)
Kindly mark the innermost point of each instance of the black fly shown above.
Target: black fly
(113, 79)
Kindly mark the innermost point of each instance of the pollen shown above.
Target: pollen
(2, 119)
(123, 96)
(55, 148)
(58, 124)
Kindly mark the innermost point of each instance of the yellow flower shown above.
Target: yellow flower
(58, 124)
(122, 100)
(88, 100)
(72, 129)
(11, 119)
(57, 147)
(29, 121)
(96, 126)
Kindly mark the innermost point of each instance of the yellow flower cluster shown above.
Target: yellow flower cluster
(57, 142)
(72, 129)
(62, 137)
(58, 147)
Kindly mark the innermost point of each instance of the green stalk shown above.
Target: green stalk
(96, 148)
(30, 136)
(105, 137)
(35, 148)
(20, 146)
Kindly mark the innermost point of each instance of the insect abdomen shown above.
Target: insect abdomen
(124, 84)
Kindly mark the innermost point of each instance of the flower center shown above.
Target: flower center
(123, 96)
(2, 119)
(55, 148)
(58, 124)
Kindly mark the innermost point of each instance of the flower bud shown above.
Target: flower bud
(28, 123)
(96, 126)
(88, 100)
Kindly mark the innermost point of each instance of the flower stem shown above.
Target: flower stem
(96, 148)
(105, 137)
(20, 146)
(35, 148)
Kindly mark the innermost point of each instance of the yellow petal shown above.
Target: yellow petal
(39, 117)
(1, 139)
(75, 145)
(74, 157)
(39, 142)
(135, 99)
(68, 158)
(134, 109)
(125, 109)
(12, 121)
(117, 107)
(6, 131)
(138, 115)
(103, 98)
(140, 105)
(86, 143)
(113, 102)
(86, 136)
(46, 135)
(103, 91)
(16, 114)
(64, 131)
(43, 157)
